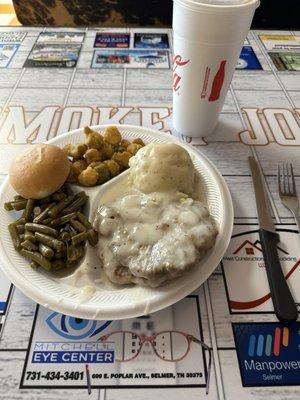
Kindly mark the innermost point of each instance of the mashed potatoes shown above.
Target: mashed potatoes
(161, 167)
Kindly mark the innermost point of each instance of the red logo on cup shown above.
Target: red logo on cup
(218, 82)
(178, 62)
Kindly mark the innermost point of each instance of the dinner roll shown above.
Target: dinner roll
(39, 171)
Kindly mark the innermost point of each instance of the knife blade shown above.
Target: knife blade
(283, 302)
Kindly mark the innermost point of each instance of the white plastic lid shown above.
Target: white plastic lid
(220, 2)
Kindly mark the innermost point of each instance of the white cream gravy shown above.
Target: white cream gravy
(150, 238)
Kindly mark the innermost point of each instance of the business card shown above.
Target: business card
(55, 49)
(7, 52)
(125, 58)
(248, 59)
(112, 40)
(286, 61)
(69, 352)
(5, 292)
(12, 37)
(151, 41)
(245, 276)
(268, 353)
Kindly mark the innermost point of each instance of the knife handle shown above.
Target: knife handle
(283, 302)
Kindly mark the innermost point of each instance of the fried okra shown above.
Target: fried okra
(101, 157)
(133, 148)
(88, 177)
(112, 135)
(75, 151)
(73, 174)
(103, 173)
(93, 139)
(113, 167)
(138, 141)
(80, 165)
(107, 151)
(92, 155)
(124, 143)
(122, 158)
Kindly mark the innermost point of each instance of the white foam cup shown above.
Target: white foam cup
(207, 42)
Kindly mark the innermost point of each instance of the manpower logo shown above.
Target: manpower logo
(268, 353)
(268, 344)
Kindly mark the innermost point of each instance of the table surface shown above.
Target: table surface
(259, 118)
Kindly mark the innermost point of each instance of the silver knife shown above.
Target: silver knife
(283, 302)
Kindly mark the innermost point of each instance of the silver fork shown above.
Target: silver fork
(287, 190)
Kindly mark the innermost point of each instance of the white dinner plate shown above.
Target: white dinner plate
(104, 301)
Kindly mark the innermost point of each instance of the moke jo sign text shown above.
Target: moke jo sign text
(264, 126)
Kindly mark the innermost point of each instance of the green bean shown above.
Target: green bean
(77, 225)
(47, 221)
(76, 205)
(63, 220)
(49, 241)
(8, 206)
(75, 253)
(65, 236)
(18, 197)
(19, 204)
(83, 219)
(22, 237)
(60, 206)
(12, 228)
(37, 211)
(79, 238)
(92, 237)
(46, 251)
(37, 257)
(28, 245)
(34, 265)
(58, 196)
(44, 214)
(41, 229)
(20, 228)
(29, 236)
(57, 265)
(28, 210)
(20, 221)
(60, 254)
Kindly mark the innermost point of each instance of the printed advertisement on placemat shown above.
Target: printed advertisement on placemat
(280, 42)
(286, 61)
(248, 59)
(12, 37)
(7, 52)
(112, 40)
(161, 349)
(244, 269)
(130, 59)
(268, 353)
(151, 40)
(5, 292)
(55, 49)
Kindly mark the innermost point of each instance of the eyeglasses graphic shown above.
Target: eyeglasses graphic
(169, 346)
